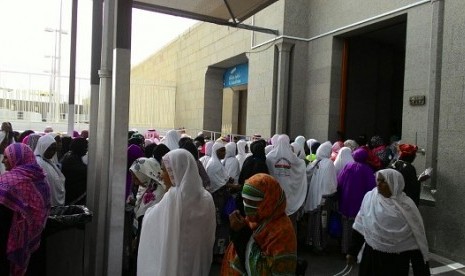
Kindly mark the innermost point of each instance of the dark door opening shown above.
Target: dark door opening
(373, 83)
(242, 112)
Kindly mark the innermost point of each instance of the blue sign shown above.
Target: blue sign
(237, 75)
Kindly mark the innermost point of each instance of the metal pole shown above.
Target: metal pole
(58, 71)
(90, 245)
(72, 68)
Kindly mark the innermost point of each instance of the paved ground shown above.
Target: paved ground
(332, 262)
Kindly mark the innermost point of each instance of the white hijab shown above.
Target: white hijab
(148, 171)
(171, 139)
(274, 140)
(215, 170)
(300, 140)
(298, 150)
(343, 158)
(208, 153)
(231, 164)
(323, 179)
(268, 149)
(394, 224)
(179, 232)
(310, 143)
(289, 170)
(53, 174)
(241, 155)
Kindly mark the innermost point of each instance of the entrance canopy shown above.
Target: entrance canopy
(223, 12)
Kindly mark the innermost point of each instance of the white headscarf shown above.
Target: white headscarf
(208, 153)
(323, 180)
(171, 139)
(394, 224)
(343, 158)
(310, 143)
(215, 170)
(289, 170)
(298, 150)
(178, 233)
(274, 140)
(241, 155)
(231, 164)
(53, 174)
(300, 140)
(148, 171)
(268, 149)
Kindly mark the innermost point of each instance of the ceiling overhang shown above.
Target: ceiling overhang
(223, 12)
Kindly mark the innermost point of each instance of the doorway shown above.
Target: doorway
(234, 115)
(372, 87)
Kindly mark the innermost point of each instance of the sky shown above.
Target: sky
(26, 46)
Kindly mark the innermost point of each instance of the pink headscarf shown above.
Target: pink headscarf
(26, 193)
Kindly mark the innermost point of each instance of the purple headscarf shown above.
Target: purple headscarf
(24, 191)
(134, 152)
(354, 181)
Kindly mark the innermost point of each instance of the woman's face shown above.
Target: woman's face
(135, 180)
(383, 187)
(6, 162)
(166, 177)
(50, 152)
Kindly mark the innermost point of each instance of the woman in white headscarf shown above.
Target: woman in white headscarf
(391, 227)
(45, 151)
(289, 170)
(146, 174)
(208, 153)
(220, 184)
(241, 154)
(178, 233)
(171, 139)
(323, 181)
(298, 150)
(230, 162)
(343, 158)
(301, 141)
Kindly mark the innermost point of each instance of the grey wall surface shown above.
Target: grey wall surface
(445, 223)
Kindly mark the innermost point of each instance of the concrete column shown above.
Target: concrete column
(434, 94)
(282, 87)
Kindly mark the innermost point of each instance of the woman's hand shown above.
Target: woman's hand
(236, 221)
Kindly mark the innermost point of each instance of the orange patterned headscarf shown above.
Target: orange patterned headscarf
(272, 230)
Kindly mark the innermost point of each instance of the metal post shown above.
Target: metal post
(119, 130)
(90, 246)
(72, 68)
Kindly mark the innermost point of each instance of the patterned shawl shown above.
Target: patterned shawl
(26, 193)
(274, 250)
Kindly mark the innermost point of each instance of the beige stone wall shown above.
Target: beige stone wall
(184, 64)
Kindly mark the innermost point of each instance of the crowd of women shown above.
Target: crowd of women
(246, 205)
(39, 170)
(252, 202)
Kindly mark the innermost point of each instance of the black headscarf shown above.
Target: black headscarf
(256, 163)
(78, 146)
(190, 147)
(160, 151)
(148, 150)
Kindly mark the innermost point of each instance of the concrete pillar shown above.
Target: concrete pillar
(282, 86)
